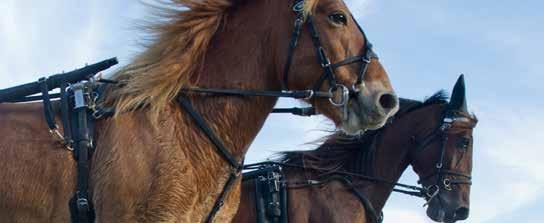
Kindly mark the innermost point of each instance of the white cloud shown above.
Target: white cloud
(508, 173)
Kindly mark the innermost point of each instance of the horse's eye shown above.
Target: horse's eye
(463, 143)
(338, 19)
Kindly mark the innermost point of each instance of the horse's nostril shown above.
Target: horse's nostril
(461, 213)
(388, 101)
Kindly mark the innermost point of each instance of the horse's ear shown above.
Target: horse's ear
(458, 100)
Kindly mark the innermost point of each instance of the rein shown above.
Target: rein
(410, 190)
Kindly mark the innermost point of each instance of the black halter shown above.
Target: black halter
(442, 181)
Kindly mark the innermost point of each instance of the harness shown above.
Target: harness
(80, 93)
(329, 75)
(262, 171)
(270, 193)
(271, 189)
(78, 108)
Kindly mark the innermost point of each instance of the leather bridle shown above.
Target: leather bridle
(443, 182)
(328, 71)
(324, 61)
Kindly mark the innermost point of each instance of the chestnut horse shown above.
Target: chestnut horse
(331, 183)
(152, 162)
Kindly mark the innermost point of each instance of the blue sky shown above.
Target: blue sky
(424, 45)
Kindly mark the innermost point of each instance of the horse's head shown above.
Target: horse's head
(333, 55)
(443, 158)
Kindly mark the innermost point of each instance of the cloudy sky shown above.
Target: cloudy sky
(424, 45)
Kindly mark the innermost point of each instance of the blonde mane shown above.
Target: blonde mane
(173, 59)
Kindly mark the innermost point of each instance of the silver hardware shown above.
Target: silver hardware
(345, 95)
(56, 133)
(82, 203)
(356, 89)
(313, 182)
(447, 184)
(79, 95)
(298, 7)
(310, 96)
(448, 120)
(431, 195)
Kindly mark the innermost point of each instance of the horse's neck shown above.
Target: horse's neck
(236, 121)
(390, 161)
(237, 58)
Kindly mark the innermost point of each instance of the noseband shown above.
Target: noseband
(442, 180)
(324, 61)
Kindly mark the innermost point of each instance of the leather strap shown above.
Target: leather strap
(298, 94)
(220, 148)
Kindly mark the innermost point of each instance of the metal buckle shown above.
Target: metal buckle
(327, 64)
(355, 89)
(310, 95)
(430, 194)
(448, 120)
(345, 95)
(447, 184)
(298, 7)
(56, 133)
(366, 59)
(79, 95)
(313, 182)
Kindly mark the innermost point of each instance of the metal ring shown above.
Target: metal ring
(356, 90)
(298, 7)
(447, 184)
(310, 96)
(345, 95)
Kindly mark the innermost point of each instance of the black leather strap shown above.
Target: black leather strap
(47, 109)
(221, 149)
(65, 115)
(299, 21)
(371, 213)
(219, 202)
(306, 111)
(300, 94)
(81, 206)
(203, 126)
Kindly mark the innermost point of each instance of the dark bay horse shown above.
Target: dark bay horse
(324, 185)
(152, 163)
